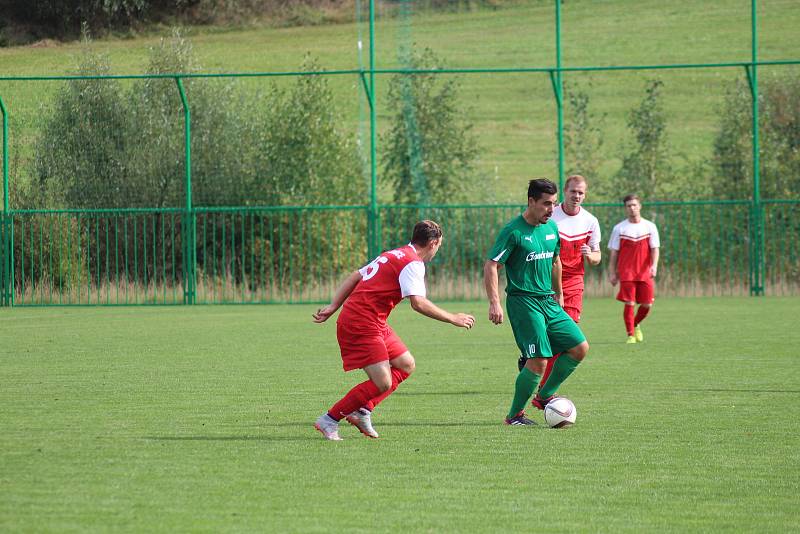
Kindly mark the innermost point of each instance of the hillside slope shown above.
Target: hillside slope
(514, 114)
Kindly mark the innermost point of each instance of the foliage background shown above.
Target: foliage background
(511, 116)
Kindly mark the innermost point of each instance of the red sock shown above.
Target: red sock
(627, 314)
(641, 313)
(356, 398)
(398, 375)
(549, 367)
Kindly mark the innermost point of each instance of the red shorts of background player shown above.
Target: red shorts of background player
(361, 348)
(573, 305)
(638, 292)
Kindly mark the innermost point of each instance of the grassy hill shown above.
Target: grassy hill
(514, 114)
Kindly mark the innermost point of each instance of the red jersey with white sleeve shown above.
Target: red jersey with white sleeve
(575, 231)
(634, 241)
(387, 280)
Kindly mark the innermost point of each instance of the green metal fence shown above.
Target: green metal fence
(295, 255)
(192, 254)
(99, 257)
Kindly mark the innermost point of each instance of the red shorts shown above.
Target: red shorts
(361, 348)
(573, 305)
(641, 292)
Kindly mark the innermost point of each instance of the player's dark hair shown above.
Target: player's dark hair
(424, 232)
(632, 196)
(540, 186)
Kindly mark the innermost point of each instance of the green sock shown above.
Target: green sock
(526, 383)
(561, 370)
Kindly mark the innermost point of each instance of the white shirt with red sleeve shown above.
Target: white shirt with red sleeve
(388, 279)
(575, 231)
(634, 242)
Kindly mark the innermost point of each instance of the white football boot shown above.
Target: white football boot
(362, 420)
(328, 427)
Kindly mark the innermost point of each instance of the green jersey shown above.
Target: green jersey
(528, 253)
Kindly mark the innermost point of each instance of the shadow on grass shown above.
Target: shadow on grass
(232, 438)
(426, 393)
(314, 436)
(732, 390)
(457, 424)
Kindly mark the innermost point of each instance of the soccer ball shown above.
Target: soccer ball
(560, 412)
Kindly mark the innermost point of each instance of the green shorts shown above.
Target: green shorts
(541, 327)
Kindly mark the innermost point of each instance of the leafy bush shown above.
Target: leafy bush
(304, 157)
(779, 141)
(81, 156)
(645, 160)
(429, 150)
(105, 146)
(583, 133)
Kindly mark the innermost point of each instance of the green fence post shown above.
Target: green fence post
(8, 249)
(373, 246)
(559, 101)
(5, 155)
(189, 252)
(757, 218)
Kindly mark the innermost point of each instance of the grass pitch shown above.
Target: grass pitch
(165, 419)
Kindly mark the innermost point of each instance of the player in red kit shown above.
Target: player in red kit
(365, 339)
(579, 233)
(580, 240)
(633, 263)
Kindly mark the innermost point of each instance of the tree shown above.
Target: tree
(81, 154)
(157, 123)
(645, 159)
(583, 134)
(107, 147)
(779, 141)
(429, 149)
(304, 156)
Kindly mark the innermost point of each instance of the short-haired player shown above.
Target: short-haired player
(528, 248)
(366, 341)
(634, 250)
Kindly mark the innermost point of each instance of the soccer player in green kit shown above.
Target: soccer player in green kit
(528, 247)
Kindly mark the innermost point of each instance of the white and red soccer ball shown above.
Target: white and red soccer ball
(560, 412)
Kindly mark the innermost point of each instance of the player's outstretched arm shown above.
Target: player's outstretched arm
(339, 297)
(429, 309)
(490, 283)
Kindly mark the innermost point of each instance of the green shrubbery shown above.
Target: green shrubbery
(429, 149)
(779, 141)
(583, 133)
(105, 145)
(113, 144)
(650, 168)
